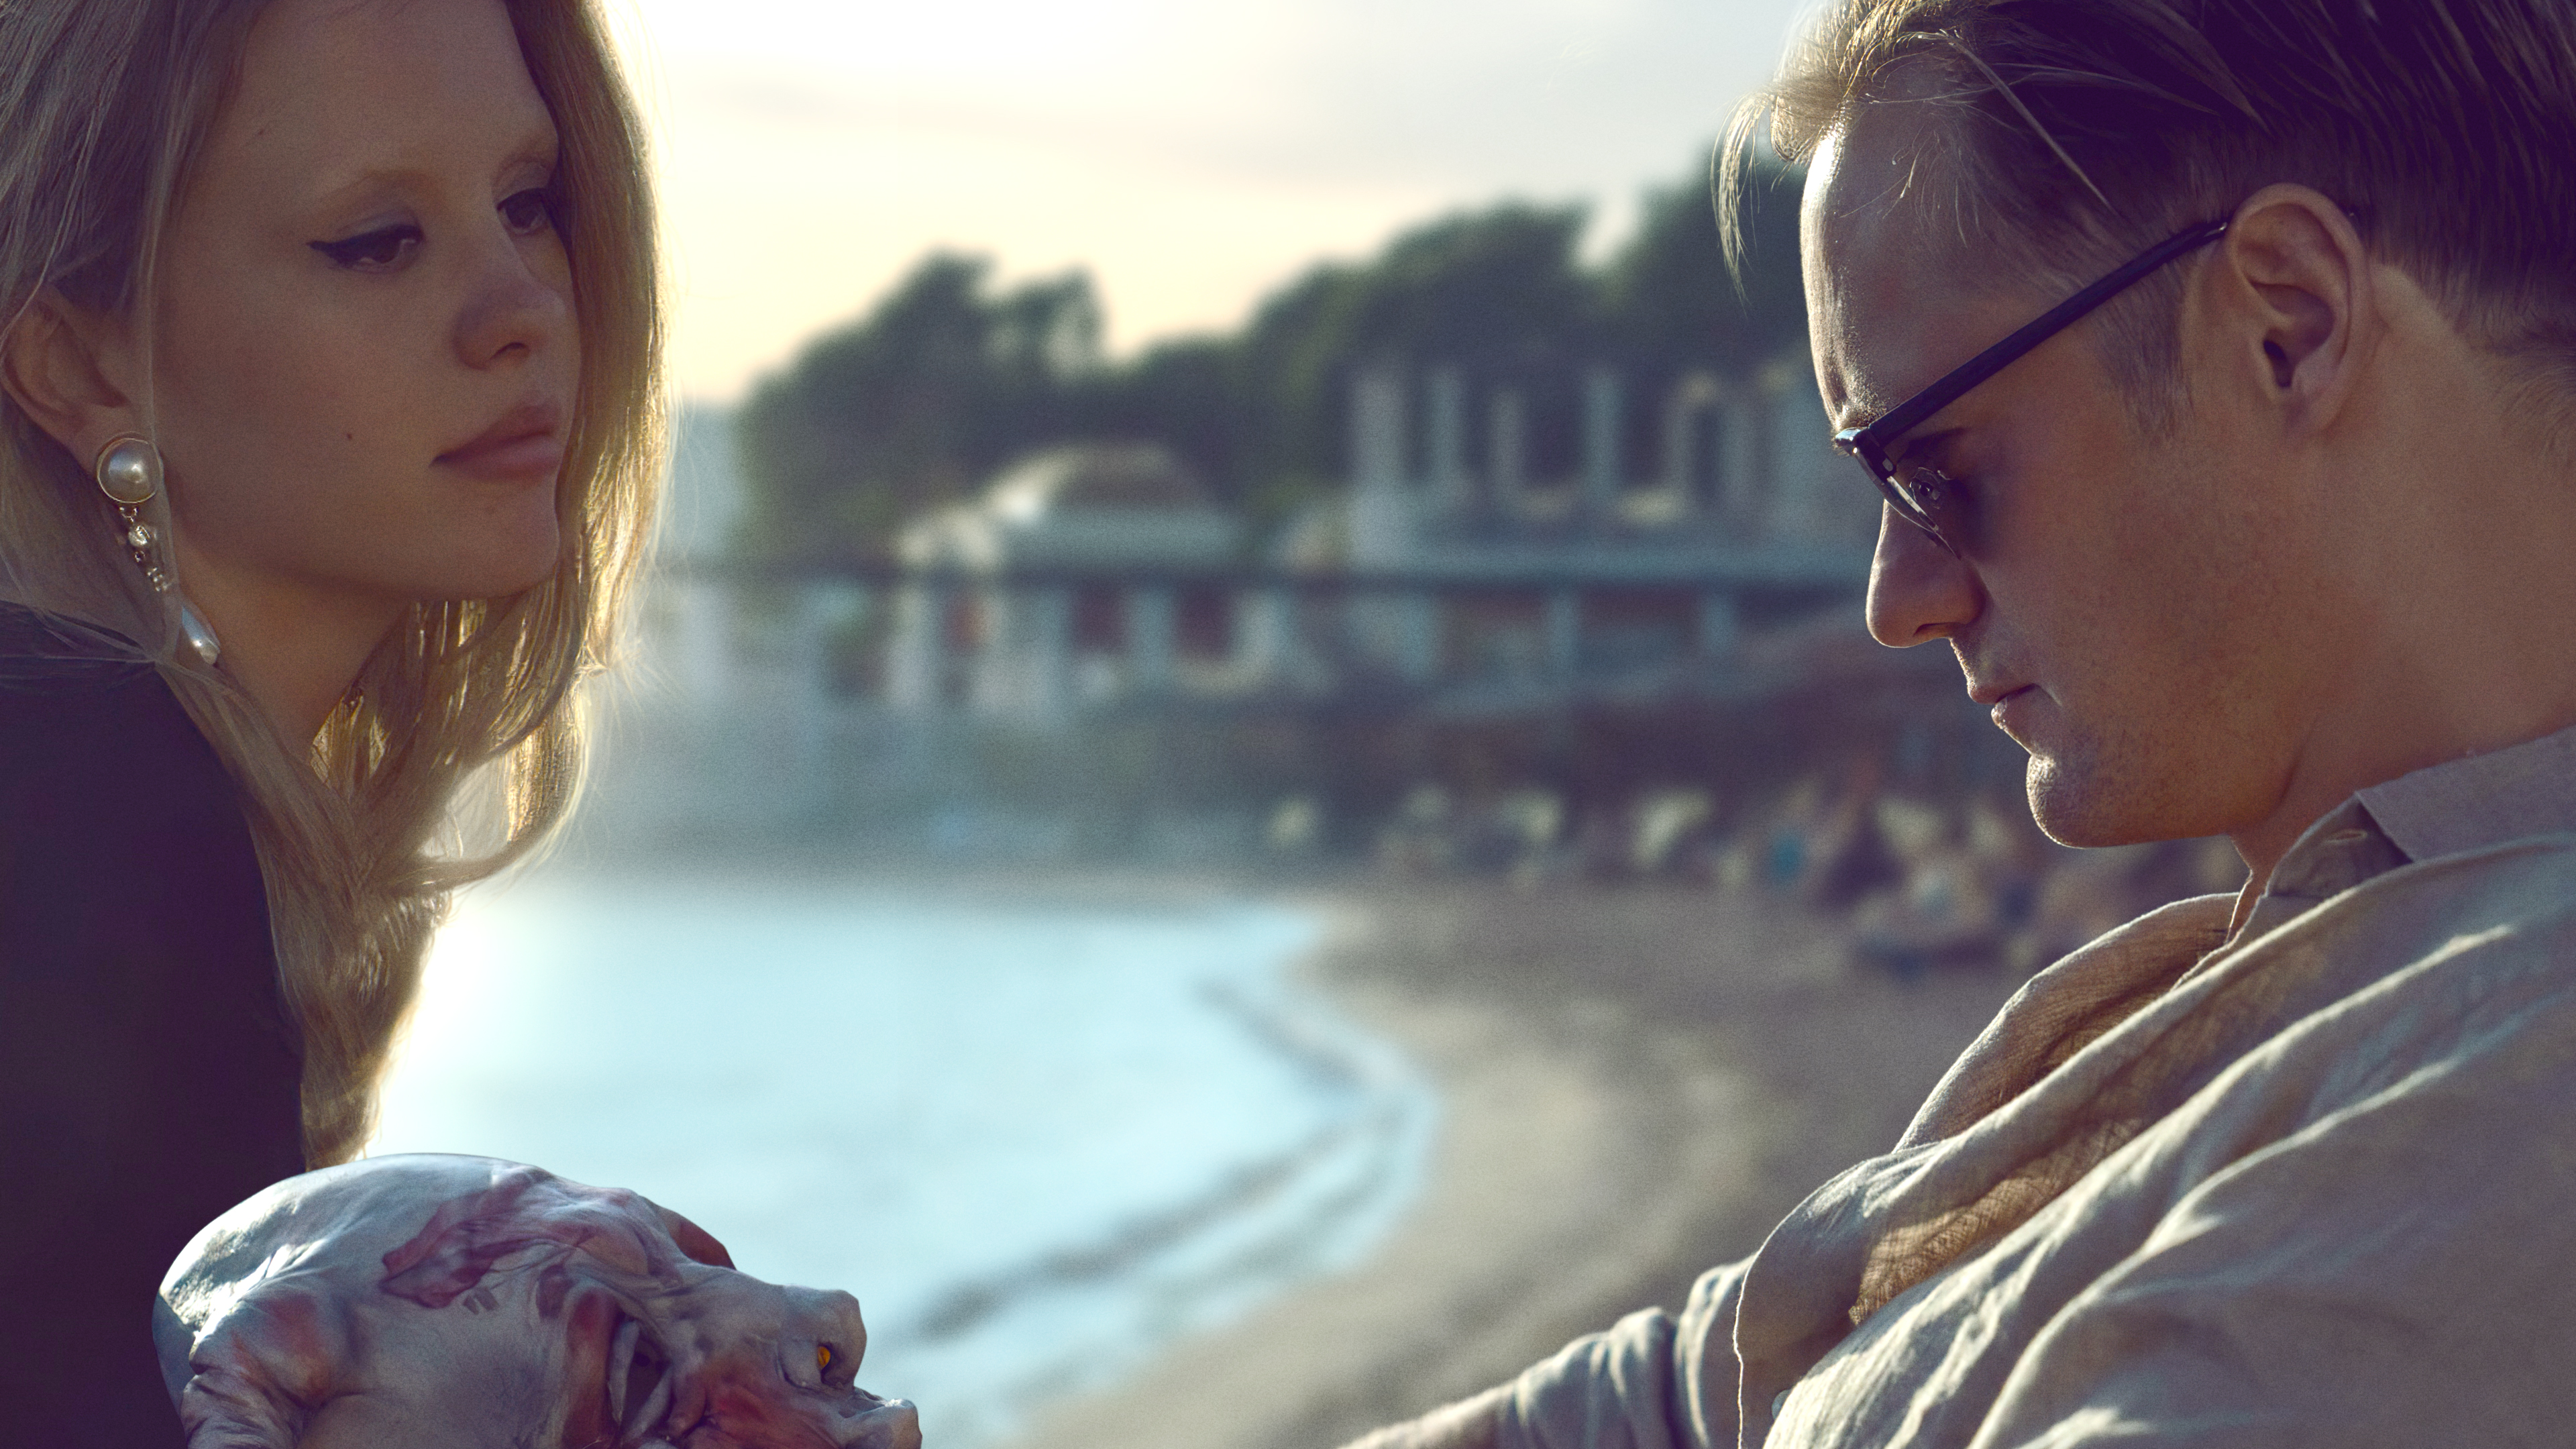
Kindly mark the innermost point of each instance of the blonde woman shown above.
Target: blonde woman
(331, 430)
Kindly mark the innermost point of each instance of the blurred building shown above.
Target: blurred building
(1743, 476)
(1630, 564)
(1059, 585)
(1450, 568)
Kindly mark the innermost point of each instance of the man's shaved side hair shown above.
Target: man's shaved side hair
(2081, 131)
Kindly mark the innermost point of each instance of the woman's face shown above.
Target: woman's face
(367, 357)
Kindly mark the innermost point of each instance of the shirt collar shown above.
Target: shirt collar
(2459, 805)
(2480, 800)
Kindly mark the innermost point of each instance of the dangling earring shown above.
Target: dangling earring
(129, 473)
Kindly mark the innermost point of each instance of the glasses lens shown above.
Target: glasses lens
(1899, 490)
(1930, 500)
(1917, 494)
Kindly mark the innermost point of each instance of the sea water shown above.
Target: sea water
(1038, 1140)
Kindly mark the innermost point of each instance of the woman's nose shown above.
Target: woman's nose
(1918, 590)
(514, 310)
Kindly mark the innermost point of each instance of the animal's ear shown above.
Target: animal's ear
(257, 1373)
(697, 1242)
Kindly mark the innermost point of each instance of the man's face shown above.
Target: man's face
(2120, 598)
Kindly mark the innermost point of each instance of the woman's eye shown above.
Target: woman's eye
(529, 212)
(372, 251)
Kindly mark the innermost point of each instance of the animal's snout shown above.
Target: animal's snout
(891, 1424)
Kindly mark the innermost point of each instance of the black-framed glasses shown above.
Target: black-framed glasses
(1921, 495)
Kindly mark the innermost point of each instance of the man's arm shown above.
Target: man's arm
(1466, 1424)
(1654, 1380)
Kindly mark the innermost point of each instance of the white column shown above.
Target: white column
(995, 673)
(809, 632)
(1744, 464)
(917, 655)
(1150, 623)
(1687, 463)
(1050, 646)
(1377, 429)
(1717, 626)
(1381, 508)
(1021, 672)
(1507, 449)
(1264, 621)
(1417, 626)
(1601, 439)
(1562, 629)
(1447, 399)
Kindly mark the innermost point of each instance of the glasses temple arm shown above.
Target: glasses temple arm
(2056, 319)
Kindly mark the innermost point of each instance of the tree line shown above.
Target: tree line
(949, 376)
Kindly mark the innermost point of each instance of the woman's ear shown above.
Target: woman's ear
(62, 364)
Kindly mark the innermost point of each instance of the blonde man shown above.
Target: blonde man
(2217, 362)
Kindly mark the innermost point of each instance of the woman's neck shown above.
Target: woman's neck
(296, 648)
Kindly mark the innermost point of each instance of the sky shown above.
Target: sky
(1192, 154)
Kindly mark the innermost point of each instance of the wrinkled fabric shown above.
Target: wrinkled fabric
(2311, 1183)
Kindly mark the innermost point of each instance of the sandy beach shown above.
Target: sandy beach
(1637, 1084)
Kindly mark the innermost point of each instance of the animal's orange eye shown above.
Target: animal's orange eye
(822, 1357)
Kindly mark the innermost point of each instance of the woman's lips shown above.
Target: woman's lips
(522, 447)
(531, 457)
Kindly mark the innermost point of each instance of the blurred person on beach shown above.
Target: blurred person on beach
(2217, 362)
(330, 344)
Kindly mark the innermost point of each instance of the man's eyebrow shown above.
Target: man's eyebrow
(1919, 442)
(1853, 414)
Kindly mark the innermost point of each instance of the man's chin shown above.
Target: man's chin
(2078, 806)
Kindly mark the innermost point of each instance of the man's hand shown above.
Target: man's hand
(1467, 1424)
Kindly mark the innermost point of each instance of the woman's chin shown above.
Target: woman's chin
(511, 568)
(486, 579)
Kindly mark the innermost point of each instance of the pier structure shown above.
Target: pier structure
(1457, 572)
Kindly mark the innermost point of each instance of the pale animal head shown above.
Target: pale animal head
(464, 1303)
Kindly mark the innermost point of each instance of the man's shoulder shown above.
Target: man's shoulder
(2495, 902)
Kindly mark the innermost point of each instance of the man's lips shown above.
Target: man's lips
(523, 445)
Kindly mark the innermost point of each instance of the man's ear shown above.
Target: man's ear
(62, 363)
(2305, 313)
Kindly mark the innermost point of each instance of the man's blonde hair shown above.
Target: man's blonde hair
(2083, 130)
(103, 107)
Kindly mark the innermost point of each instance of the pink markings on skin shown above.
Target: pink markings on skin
(263, 1369)
(466, 1236)
(697, 1242)
(650, 1334)
(552, 1286)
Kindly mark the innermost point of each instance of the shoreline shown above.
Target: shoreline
(1636, 1084)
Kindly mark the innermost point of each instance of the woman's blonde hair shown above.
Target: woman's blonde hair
(103, 107)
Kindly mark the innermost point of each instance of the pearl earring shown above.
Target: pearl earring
(129, 473)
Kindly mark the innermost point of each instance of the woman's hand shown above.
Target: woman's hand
(1467, 1424)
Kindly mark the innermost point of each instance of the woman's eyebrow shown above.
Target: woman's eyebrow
(540, 146)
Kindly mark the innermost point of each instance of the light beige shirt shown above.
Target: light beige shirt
(2314, 1186)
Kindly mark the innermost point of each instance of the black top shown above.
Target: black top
(147, 1078)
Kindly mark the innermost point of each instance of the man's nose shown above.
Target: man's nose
(1918, 590)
